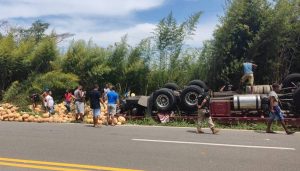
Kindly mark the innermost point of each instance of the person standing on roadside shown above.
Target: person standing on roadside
(95, 100)
(275, 111)
(113, 102)
(248, 74)
(203, 113)
(79, 103)
(106, 90)
(50, 102)
(68, 98)
(34, 99)
(44, 101)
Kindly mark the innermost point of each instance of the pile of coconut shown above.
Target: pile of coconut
(118, 120)
(9, 112)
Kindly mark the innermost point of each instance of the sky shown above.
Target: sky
(106, 21)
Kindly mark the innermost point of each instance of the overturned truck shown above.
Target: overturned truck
(225, 105)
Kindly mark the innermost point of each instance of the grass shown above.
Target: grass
(183, 123)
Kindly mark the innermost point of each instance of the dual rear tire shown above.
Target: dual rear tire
(167, 98)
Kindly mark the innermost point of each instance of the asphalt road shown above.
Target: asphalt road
(142, 148)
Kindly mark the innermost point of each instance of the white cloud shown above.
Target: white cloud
(135, 33)
(140, 31)
(34, 8)
(203, 32)
(99, 20)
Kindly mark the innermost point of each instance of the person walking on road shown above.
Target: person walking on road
(248, 74)
(95, 100)
(203, 113)
(79, 103)
(275, 111)
(113, 102)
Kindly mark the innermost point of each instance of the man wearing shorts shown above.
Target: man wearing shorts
(275, 111)
(50, 102)
(95, 100)
(248, 74)
(79, 103)
(113, 101)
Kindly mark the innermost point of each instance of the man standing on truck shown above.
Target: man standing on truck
(248, 74)
(275, 111)
(203, 113)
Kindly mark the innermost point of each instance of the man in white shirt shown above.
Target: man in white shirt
(79, 103)
(275, 111)
(106, 90)
(50, 102)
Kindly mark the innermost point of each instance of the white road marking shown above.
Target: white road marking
(225, 129)
(215, 144)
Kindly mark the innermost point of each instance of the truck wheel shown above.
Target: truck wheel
(189, 97)
(172, 86)
(291, 79)
(164, 99)
(296, 99)
(199, 83)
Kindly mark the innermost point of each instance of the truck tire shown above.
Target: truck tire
(292, 78)
(189, 97)
(172, 86)
(164, 99)
(199, 83)
(296, 98)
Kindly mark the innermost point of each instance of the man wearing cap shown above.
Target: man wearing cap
(203, 113)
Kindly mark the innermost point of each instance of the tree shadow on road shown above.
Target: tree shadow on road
(89, 125)
(195, 132)
(263, 132)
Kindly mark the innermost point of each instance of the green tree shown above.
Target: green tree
(37, 31)
(169, 39)
(242, 21)
(276, 46)
(87, 61)
(45, 52)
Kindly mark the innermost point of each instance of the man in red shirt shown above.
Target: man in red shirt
(68, 99)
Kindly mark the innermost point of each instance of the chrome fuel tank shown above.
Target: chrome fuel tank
(248, 101)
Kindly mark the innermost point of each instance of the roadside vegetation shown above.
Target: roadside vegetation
(267, 32)
(148, 121)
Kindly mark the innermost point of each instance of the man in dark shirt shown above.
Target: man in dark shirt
(35, 99)
(203, 105)
(95, 100)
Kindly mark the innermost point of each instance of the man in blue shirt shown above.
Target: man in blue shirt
(113, 101)
(248, 74)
